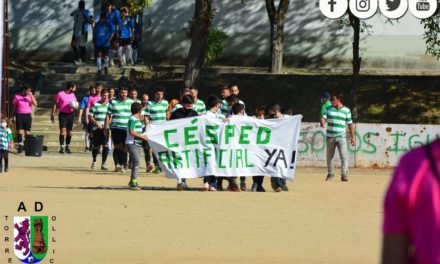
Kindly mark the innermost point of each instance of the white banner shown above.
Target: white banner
(242, 146)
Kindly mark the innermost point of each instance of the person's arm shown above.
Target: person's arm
(133, 133)
(322, 122)
(395, 249)
(54, 108)
(87, 114)
(33, 100)
(351, 131)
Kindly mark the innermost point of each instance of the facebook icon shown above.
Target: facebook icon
(332, 4)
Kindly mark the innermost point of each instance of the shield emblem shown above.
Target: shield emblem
(31, 238)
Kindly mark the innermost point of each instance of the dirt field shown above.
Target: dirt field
(98, 220)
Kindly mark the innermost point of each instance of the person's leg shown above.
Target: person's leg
(82, 53)
(276, 184)
(62, 123)
(331, 147)
(135, 157)
(1, 160)
(243, 183)
(341, 143)
(121, 54)
(6, 158)
(128, 54)
(111, 55)
(98, 60)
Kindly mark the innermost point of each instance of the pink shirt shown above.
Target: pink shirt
(92, 100)
(412, 204)
(63, 100)
(23, 103)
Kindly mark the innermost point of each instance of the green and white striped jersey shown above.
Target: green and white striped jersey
(99, 112)
(136, 125)
(158, 110)
(224, 108)
(5, 137)
(337, 120)
(120, 112)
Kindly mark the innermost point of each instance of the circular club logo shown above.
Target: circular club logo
(333, 8)
(393, 8)
(422, 8)
(363, 9)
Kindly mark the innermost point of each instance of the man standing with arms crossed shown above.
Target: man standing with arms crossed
(337, 117)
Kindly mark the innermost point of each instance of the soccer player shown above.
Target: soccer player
(82, 17)
(83, 118)
(257, 181)
(97, 115)
(199, 105)
(126, 37)
(6, 141)
(325, 103)
(225, 92)
(66, 115)
(235, 91)
(102, 34)
(22, 107)
(145, 145)
(337, 117)
(119, 111)
(134, 95)
(184, 112)
(134, 142)
(157, 110)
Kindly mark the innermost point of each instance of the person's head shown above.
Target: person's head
(225, 92)
(133, 94)
(234, 89)
(98, 88)
(261, 112)
(275, 111)
(102, 18)
(337, 100)
(187, 102)
(136, 108)
(194, 92)
(107, 8)
(238, 109)
(92, 90)
(123, 93)
(159, 92)
(70, 87)
(4, 121)
(287, 111)
(325, 97)
(124, 11)
(145, 99)
(111, 93)
(26, 89)
(232, 100)
(184, 91)
(104, 96)
(213, 103)
(81, 5)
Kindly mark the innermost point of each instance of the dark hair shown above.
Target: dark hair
(104, 91)
(70, 85)
(232, 99)
(237, 108)
(81, 4)
(286, 111)
(232, 85)
(136, 108)
(274, 108)
(24, 87)
(224, 87)
(159, 89)
(186, 89)
(122, 88)
(261, 109)
(193, 88)
(187, 99)
(325, 95)
(98, 84)
(133, 90)
(339, 96)
(212, 101)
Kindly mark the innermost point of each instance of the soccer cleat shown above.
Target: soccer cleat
(6, 169)
(93, 165)
(344, 178)
(243, 186)
(260, 189)
(205, 187)
(180, 187)
(254, 187)
(156, 170)
(149, 168)
(68, 151)
(104, 167)
(133, 184)
(118, 168)
(285, 188)
(61, 150)
(278, 189)
(234, 189)
(329, 177)
(212, 188)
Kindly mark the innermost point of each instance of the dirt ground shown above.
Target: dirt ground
(98, 220)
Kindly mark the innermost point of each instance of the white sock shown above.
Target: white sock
(106, 61)
(135, 55)
(98, 63)
(128, 53)
(121, 55)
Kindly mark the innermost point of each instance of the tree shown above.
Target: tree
(277, 17)
(199, 31)
(432, 33)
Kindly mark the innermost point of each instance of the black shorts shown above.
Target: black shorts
(66, 120)
(99, 138)
(125, 41)
(23, 121)
(119, 136)
(102, 49)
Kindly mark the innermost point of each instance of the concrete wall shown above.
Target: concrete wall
(42, 30)
(377, 145)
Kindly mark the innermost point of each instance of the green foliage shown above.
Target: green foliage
(137, 6)
(431, 34)
(216, 42)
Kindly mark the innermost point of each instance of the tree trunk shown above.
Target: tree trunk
(201, 23)
(277, 18)
(355, 23)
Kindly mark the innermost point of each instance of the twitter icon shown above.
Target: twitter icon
(393, 9)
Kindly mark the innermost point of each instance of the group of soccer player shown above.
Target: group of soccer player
(118, 123)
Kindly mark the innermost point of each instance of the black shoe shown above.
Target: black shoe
(20, 149)
(243, 186)
(61, 151)
(68, 151)
(260, 189)
(284, 187)
(6, 169)
(329, 177)
(99, 72)
(106, 70)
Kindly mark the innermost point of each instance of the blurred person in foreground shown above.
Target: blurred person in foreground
(411, 225)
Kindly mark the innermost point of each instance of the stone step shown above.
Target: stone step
(47, 125)
(89, 68)
(82, 77)
(54, 135)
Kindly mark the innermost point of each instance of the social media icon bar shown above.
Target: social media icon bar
(333, 8)
(393, 8)
(422, 8)
(363, 8)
